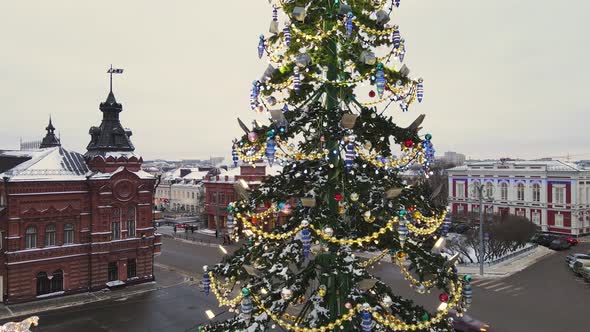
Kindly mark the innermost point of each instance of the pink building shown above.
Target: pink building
(554, 195)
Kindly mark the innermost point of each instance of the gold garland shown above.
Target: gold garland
(222, 300)
(256, 156)
(372, 31)
(410, 154)
(374, 260)
(283, 236)
(397, 325)
(291, 327)
(358, 241)
(322, 35)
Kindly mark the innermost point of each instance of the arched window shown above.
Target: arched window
(520, 191)
(50, 235)
(31, 237)
(131, 222)
(43, 284)
(68, 234)
(489, 189)
(475, 189)
(536, 192)
(57, 281)
(116, 224)
(504, 191)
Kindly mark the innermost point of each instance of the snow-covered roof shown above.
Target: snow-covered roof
(51, 164)
(549, 165)
(198, 175)
(141, 174)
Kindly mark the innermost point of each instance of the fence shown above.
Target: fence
(197, 239)
(505, 258)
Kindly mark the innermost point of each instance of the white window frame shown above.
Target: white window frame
(489, 189)
(520, 191)
(536, 217)
(504, 191)
(536, 192)
(31, 238)
(69, 234)
(50, 236)
(558, 220)
(559, 194)
(460, 189)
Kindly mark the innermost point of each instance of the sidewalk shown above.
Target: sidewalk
(500, 270)
(504, 269)
(164, 279)
(199, 237)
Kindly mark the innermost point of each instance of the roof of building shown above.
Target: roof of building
(550, 165)
(141, 174)
(51, 164)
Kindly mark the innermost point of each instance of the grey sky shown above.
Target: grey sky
(502, 78)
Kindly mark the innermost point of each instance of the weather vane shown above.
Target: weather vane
(114, 71)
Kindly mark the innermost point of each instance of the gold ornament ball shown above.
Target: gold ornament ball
(417, 215)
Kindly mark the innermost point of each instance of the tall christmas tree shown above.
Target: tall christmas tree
(340, 190)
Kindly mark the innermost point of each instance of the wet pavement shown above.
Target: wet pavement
(543, 297)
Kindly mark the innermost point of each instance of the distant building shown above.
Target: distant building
(181, 190)
(219, 190)
(454, 158)
(72, 223)
(552, 194)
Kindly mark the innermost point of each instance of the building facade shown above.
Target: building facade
(73, 223)
(220, 191)
(552, 194)
(182, 191)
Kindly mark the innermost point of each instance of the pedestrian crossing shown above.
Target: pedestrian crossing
(499, 286)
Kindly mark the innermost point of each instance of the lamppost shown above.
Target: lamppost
(479, 187)
(217, 230)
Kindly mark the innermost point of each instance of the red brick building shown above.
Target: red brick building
(219, 190)
(74, 223)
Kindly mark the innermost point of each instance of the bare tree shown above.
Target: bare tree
(506, 233)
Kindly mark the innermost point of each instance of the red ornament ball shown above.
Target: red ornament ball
(372, 94)
(338, 197)
(444, 297)
(409, 143)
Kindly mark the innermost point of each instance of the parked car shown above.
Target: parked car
(466, 323)
(585, 273)
(571, 258)
(579, 266)
(559, 244)
(572, 240)
(459, 227)
(544, 239)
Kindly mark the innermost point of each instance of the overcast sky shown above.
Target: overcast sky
(502, 78)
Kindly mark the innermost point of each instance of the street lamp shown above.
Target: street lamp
(479, 187)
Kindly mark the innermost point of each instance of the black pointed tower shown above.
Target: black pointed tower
(110, 144)
(50, 140)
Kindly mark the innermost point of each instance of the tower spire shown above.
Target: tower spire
(50, 140)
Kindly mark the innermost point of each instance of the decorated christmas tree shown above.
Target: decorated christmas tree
(341, 189)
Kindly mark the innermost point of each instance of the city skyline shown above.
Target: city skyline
(507, 88)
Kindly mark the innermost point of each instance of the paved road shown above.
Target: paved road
(544, 297)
